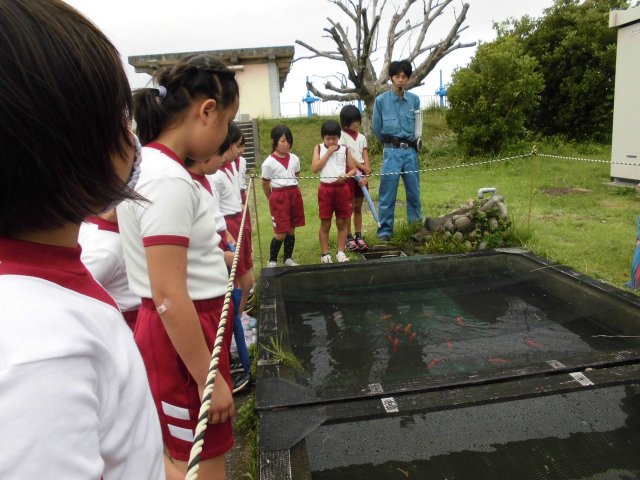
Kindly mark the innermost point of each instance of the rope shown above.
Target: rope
(203, 414)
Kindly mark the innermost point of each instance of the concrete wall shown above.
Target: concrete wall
(255, 91)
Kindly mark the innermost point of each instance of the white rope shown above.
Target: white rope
(592, 160)
(203, 414)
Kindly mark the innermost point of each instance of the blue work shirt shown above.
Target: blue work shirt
(393, 115)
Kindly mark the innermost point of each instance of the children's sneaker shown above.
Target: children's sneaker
(272, 264)
(326, 258)
(352, 244)
(341, 257)
(290, 262)
(240, 381)
(362, 246)
(236, 367)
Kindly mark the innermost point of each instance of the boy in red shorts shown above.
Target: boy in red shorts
(332, 160)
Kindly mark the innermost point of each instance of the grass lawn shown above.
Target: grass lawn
(576, 218)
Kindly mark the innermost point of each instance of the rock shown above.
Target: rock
(472, 234)
(468, 246)
(458, 237)
(463, 224)
(502, 210)
(493, 224)
(489, 205)
(482, 246)
(449, 226)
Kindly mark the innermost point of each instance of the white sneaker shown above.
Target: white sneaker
(326, 258)
(290, 262)
(341, 257)
(272, 264)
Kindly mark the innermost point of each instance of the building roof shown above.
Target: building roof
(282, 56)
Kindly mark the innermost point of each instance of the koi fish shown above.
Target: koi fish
(497, 360)
(459, 321)
(397, 328)
(395, 345)
(532, 343)
(386, 316)
(412, 337)
(433, 363)
(407, 329)
(449, 344)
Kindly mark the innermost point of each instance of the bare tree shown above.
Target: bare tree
(355, 50)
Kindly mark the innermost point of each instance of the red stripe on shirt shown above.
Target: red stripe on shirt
(203, 180)
(59, 265)
(103, 224)
(165, 240)
(167, 151)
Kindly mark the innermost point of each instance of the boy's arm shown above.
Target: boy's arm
(366, 166)
(266, 187)
(352, 164)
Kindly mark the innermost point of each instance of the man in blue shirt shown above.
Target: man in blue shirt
(393, 123)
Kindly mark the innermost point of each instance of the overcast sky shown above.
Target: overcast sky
(140, 27)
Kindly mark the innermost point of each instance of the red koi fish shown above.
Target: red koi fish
(412, 337)
(395, 345)
(449, 344)
(497, 360)
(459, 321)
(433, 363)
(407, 329)
(532, 343)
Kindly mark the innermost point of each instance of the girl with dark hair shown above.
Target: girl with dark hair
(172, 254)
(280, 172)
(74, 399)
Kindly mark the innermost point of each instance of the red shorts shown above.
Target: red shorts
(174, 390)
(130, 317)
(334, 197)
(287, 209)
(245, 261)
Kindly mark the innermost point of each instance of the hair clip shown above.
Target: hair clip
(162, 91)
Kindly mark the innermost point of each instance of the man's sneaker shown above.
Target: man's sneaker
(240, 381)
(326, 258)
(352, 244)
(290, 262)
(341, 257)
(272, 264)
(236, 367)
(362, 246)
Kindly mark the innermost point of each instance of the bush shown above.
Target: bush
(490, 99)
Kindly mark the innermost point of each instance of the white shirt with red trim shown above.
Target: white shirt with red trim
(336, 164)
(102, 255)
(74, 395)
(274, 170)
(225, 182)
(241, 166)
(178, 212)
(357, 145)
(221, 223)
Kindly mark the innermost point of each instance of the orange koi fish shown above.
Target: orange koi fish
(532, 343)
(497, 360)
(433, 363)
(386, 316)
(449, 344)
(412, 337)
(407, 329)
(459, 321)
(395, 345)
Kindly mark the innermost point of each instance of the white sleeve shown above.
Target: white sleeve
(168, 216)
(103, 265)
(267, 172)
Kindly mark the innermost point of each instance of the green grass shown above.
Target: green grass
(576, 219)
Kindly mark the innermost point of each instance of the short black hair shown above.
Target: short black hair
(400, 66)
(277, 133)
(331, 128)
(234, 134)
(66, 106)
(348, 115)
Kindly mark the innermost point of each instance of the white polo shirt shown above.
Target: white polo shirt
(357, 145)
(281, 172)
(177, 212)
(74, 395)
(336, 164)
(102, 255)
(241, 166)
(225, 182)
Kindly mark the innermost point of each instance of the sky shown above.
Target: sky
(142, 27)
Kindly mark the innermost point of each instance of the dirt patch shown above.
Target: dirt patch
(557, 192)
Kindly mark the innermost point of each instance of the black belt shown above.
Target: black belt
(397, 142)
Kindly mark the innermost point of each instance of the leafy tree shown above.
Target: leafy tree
(490, 99)
(576, 51)
(356, 44)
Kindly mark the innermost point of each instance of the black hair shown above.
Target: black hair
(400, 66)
(331, 128)
(348, 115)
(276, 134)
(66, 106)
(234, 134)
(191, 78)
